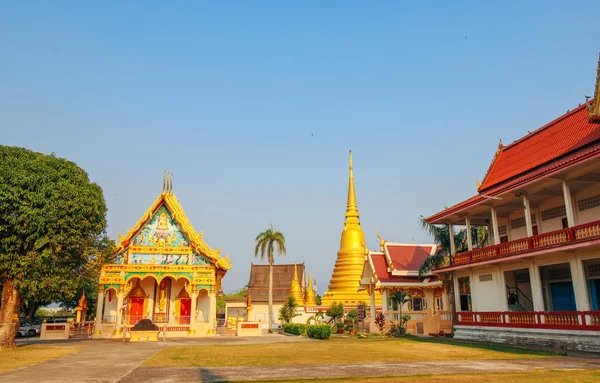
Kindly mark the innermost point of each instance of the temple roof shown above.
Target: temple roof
(383, 274)
(564, 135)
(570, 139)
(168, 199)
(283, 275)
(407, 257)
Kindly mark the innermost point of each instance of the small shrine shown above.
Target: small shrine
(162, 272)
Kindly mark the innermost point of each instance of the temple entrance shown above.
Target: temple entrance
(136, 310)
(518, 290)
(557, 287)
(185, 307)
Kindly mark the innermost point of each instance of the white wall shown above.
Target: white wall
(203, 306)
(487, 295)
(552, 224)
(589, 215)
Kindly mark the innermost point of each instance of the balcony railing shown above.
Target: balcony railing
(556, 320)
(581, 233)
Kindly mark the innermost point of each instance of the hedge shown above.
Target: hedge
(319, 331)
(294, 328)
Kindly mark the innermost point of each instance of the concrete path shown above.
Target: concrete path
(110, 360)
(228, 374)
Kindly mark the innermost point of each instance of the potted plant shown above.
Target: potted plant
(339, 327)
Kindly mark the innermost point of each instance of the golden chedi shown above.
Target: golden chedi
(311, 300)
(345, 279)
(296, 290)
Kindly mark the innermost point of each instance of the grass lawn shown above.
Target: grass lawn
(335, 351)
(26, 355)
(578, 376)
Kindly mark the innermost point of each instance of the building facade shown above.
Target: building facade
(162, 271)
(396, 268)
(538, 279)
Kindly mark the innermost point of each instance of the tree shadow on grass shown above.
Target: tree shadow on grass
(209, 376)
(487, 346)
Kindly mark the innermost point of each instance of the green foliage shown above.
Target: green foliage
(352, 314)
(294, 328)
(241, 293)
(288, 311)
(318, 331)
(267, 243)
(318, 300)
(441, 236)
(51, 219)
(336, 311)
(399, 330)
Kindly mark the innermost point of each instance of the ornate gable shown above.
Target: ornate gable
(165, 236)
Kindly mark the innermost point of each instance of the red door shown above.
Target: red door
(136, 310)
(185, 305)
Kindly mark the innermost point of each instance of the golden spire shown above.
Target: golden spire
(295, 290)
(303, 282)
(310, 293)
(352, 208)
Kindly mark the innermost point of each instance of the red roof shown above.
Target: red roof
(566, 141)
(381, 271)
(564, 135)
(408, 257)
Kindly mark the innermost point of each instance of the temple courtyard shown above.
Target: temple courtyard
(291, 359)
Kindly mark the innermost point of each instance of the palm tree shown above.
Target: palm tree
(400, 298)
(441, 237)
(287, 312)
(267, 243)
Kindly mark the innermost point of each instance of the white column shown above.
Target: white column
(451, 238)
(568, 204)
(495, 226)
(193, 306)
(579, 284)
(99, 305)
(473, 292)
(527, 210)
(119, 311)
(213, 310)
(384, 298)
(536, 287)
(502, 289)
(456, 293)
(372, 296)
(469, 237)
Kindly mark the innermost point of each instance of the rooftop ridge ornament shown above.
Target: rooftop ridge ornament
(594, 107)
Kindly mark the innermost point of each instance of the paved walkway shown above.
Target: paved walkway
(227, 374)
(111, 360)
(114, 361)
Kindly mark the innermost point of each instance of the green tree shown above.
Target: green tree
(399, 299)
(353, 315)
(441, 237)
(318, 300)
(52, 215)
(335, 311)
(287, 312)
(267, 243)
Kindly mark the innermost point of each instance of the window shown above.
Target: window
(485, 278)
(555, 212)
(438, 304)
(504, 239)
(589, 203)
(418, 304)
(565, 223)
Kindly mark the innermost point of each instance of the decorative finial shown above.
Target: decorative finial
(295, 272)
(171, 184)
(381, 241)
(500, 144)
(477, 183)
(352, 208)
(164, 189)
(413, 240)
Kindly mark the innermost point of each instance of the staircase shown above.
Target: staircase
(520, 299)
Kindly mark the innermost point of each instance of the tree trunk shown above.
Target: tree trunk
(451, 300)
(270, 297)
(32, 307)
(10, 305)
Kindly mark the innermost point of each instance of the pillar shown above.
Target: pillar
(99, 307)
(451, 238)
(502, 290)
(568, 204)
(579, 284)
(372, 297)
(213, 310)
(119, 310)
(536, 287)
(474, 305)
(456, 293)
(527, 211)
(469, 236)
(194, 306)
(495, 227)
(384, 300)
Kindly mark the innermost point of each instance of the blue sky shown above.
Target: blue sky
(226, 96)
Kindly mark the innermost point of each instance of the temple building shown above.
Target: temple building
(345, 280)
(395, 267)
(537, 281)
(162, 271)
(286, 283)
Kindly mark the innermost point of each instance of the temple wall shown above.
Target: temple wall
(587, 215)
(203, 306)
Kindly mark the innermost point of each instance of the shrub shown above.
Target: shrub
(319, 331)
(397, 330)
(380, 321)
(294, 328)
